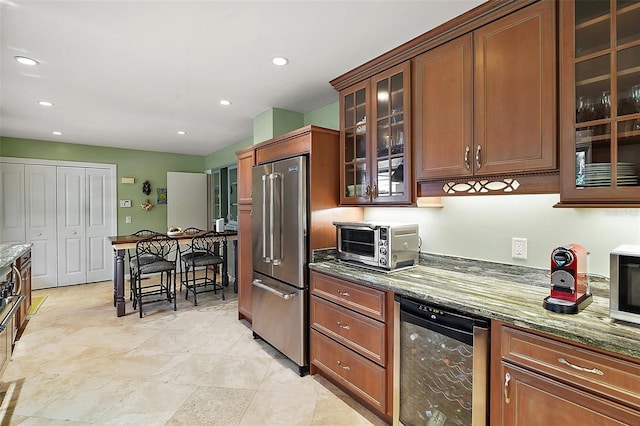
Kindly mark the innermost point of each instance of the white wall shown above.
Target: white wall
(481, 227)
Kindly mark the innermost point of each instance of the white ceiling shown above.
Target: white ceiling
(130, 74)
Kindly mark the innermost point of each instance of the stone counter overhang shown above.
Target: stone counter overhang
(9, 253)
(508, 293)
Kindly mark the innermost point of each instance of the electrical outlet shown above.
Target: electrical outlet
(127, 219)
(519, 248)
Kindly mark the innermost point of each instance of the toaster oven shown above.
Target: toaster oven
(381, 245)
(624, 281)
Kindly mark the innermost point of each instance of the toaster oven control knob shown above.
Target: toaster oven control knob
(383, 261)
(383, 251)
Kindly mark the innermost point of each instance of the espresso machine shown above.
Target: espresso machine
(570, 292)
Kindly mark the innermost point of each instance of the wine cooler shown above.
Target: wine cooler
(441, 368)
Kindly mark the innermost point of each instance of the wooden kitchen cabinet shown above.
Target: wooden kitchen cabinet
(246, 161)
(600, 102)
(375, 135)
(23, 264)
(351, 339)
(531, 371)
(485, 105)
(245, 262)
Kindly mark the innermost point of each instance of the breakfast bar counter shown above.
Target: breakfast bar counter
(508, 293)
(120, 243)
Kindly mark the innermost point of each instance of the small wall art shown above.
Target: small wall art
(162, 195)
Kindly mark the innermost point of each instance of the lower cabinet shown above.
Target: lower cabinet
(351, 339)
(245, 261)
(23, 264)
(539, 380)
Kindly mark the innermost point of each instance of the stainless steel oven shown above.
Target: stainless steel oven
(441, 366)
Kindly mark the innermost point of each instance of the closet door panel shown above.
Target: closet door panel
(71, 220)
(12, 209)
(100, 217)
(40, 195)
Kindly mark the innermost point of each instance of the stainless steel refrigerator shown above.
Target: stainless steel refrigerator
(280, 289)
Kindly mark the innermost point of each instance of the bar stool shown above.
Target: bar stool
(143, 233)
(155, 254)
(203, 252)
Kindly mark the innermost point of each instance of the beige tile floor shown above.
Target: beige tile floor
(78, 364)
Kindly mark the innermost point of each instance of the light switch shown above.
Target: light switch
(125, 203)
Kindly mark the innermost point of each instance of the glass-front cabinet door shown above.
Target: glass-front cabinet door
(375, 131)
(355, 150)
(601, 102)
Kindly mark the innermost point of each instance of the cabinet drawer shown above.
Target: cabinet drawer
(365, 300)
(360, 333)
(590, 370)
(361, 376)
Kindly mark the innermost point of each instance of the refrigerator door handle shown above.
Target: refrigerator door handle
(265, 259)
(276, 218)
(285, 296)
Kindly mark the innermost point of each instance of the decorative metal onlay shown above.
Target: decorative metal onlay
(481, 186)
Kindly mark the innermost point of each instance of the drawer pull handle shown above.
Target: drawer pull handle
(343, 293)
(343, 326)
(577, 367)
(507, 379)
(466, 158)
(478, 163)
(344, 366)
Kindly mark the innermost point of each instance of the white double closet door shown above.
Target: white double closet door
(69, 213)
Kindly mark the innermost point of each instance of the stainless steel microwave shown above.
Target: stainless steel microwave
(624, 295)
(381, 245)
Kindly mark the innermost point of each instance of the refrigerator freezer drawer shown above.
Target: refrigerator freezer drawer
(279, 312)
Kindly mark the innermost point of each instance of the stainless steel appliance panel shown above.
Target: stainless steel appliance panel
(280, 220)
(279, 315)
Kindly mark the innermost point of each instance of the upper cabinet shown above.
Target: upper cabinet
(375, 153)
(485, 106)
(600, 102)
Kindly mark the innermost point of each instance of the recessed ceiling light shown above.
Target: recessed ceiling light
(57, 133)
(225, 102)
(182, 132)
(26, 61)
(280, 60)
(45, 103)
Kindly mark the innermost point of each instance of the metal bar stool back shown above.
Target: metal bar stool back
(206, 249)
(143, 233)
(157, 254)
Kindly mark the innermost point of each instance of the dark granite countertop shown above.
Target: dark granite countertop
(508, 293)
(9, 253)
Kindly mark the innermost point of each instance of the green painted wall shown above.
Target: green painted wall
(275, 122)
(225, 156)
(328, 116)
(141, 165)
(285, 121)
